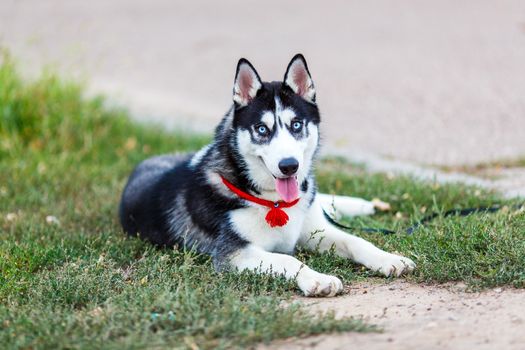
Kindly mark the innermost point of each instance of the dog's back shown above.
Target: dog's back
(148, 192)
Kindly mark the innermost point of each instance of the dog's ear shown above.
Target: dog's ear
(298, 78)
(247, 83)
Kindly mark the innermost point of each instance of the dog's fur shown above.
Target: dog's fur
(181, 200)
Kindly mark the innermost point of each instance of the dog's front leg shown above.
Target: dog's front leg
(319, 233)
(311, 283)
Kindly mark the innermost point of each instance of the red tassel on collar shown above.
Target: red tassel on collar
(276, 215)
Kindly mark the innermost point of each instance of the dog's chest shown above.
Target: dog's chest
(251, 225)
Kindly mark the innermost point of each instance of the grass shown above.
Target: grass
(482, 250)
(70, 279)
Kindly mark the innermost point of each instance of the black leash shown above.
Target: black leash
(410, 230)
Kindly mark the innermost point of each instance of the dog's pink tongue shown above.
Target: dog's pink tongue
(288, 188)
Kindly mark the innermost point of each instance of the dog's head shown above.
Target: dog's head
(276, 126)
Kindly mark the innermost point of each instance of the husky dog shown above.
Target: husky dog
(249, 198)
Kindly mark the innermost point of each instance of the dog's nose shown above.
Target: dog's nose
(288, 166)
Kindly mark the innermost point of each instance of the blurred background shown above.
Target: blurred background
(426, 82)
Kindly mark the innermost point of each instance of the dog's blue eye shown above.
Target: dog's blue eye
(262, 130)
(296, 126)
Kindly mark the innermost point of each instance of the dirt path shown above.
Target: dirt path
(420, 82)
(416, 316)
(433, 82)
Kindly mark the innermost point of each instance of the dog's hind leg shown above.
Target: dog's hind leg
(318, 233)
(311, 283)
(349, 206)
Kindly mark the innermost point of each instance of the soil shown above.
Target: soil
(415, 316)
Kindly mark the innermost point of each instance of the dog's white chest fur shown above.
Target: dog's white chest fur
(251, 225)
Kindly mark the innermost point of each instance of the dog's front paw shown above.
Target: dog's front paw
(380, 205)
(394, 265)
(315, 284)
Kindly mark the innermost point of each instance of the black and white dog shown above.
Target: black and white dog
(249, 197)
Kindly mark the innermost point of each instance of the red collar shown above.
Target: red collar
(276, 215)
